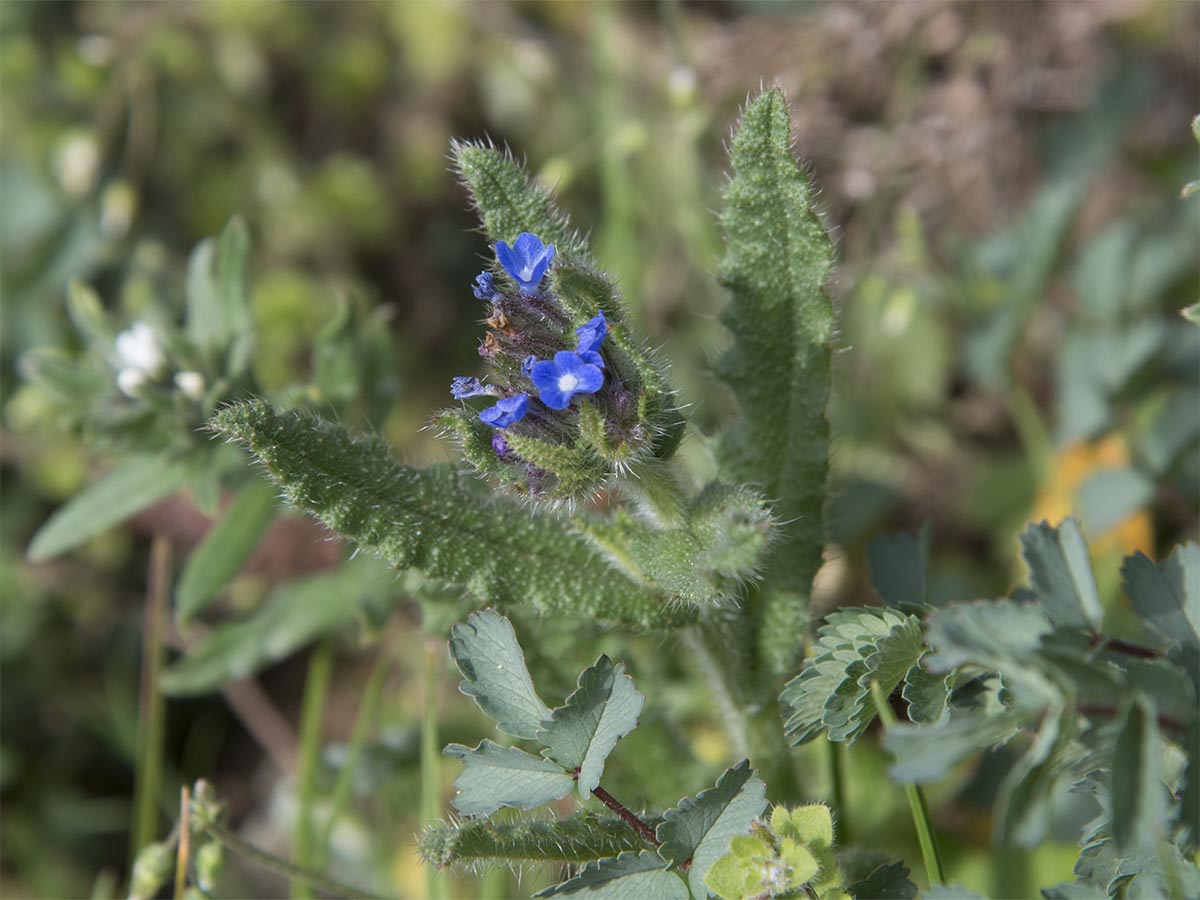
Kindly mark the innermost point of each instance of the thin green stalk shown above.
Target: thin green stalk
(184, 850)
(916, 799)
(151, 702)
(316, 691)
(312, 880)
(431, 764)
(837, 779)
(340, 795)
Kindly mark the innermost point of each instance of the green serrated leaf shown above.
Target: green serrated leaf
(995, 634)
(131, 487)
(225, 549)
(486, 651)
(889, 881)
(629, 876)
(1167, 597)
(700, 828)
(898, 563)
(1060, 573)
(854, 647)
(1022, 814)
(496, 777)
(926, 694)
(433, 520)
(1139, 798)
(603, 709)
(292, 616)
(778, 259)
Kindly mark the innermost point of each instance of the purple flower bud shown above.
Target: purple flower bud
(485, 286)
(500, 445)
(463, 387)
(591, 336)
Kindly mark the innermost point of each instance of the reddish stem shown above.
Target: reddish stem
(1100, 640)
(644, 830)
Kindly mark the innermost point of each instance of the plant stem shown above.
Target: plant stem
(431, 763)
(151, 703)
(916, 798)
(643, 830)
(245, 849)
(838, 789)
(340, 794)
(184, 851)
(316, 690)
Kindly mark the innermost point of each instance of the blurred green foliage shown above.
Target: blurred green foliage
(1014, 253)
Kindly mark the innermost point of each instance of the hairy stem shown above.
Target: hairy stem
(916, 798)
(580, 838)
(431, 763)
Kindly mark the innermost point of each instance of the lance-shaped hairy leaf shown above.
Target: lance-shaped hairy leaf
(1139, 798)
(486, 651)
(433, 520)
(603, 709)
(778, 259)
(630, 876)
(580, 838)
(1167, 596)
(495, 777)
(854, 648)
(701, 827)
(1060, 573)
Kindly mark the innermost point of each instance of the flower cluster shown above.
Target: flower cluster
(570, 392)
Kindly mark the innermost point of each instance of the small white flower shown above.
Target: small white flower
(191, 384)
(131, 381)
(77, 163)
(138, 348)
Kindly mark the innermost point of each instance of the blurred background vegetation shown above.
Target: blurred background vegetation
(1003, 180)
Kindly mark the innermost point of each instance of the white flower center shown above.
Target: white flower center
(567, 382)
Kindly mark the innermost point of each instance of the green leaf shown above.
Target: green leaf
(1139, 798)
(928, 752)
(1022, 815)
(579, 838)
(701, 827)
(88, 314)
(486, 651)
(602, 710)
(950, 892)
(995, 634)
(1060, 573)
(889, 881)
(1109, 496)
(898, 563)
(292, 616)
(629, 876)
(508, 202)
(854, 647)
(495, 777)
(131, 487)
(433, 520)
(218, 295)
(926, 694)
(777, 262)
(225, 549)
(1166, 597)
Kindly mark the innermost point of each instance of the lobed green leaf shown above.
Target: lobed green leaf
(1060, 573)
(495, 777)
(629, 876)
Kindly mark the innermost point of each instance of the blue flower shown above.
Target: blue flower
(484, 286)
(591, 336)
(560, 379)
(463, 387)
(506, 412)
(526, 260)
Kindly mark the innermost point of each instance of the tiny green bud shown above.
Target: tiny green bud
(150, 870)
(207, 807)
(210, 863)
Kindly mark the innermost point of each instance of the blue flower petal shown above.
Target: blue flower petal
(463, 387)
(560, 379)
(591, 335)
(525, 261)
(484, 287)
(506, 412)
